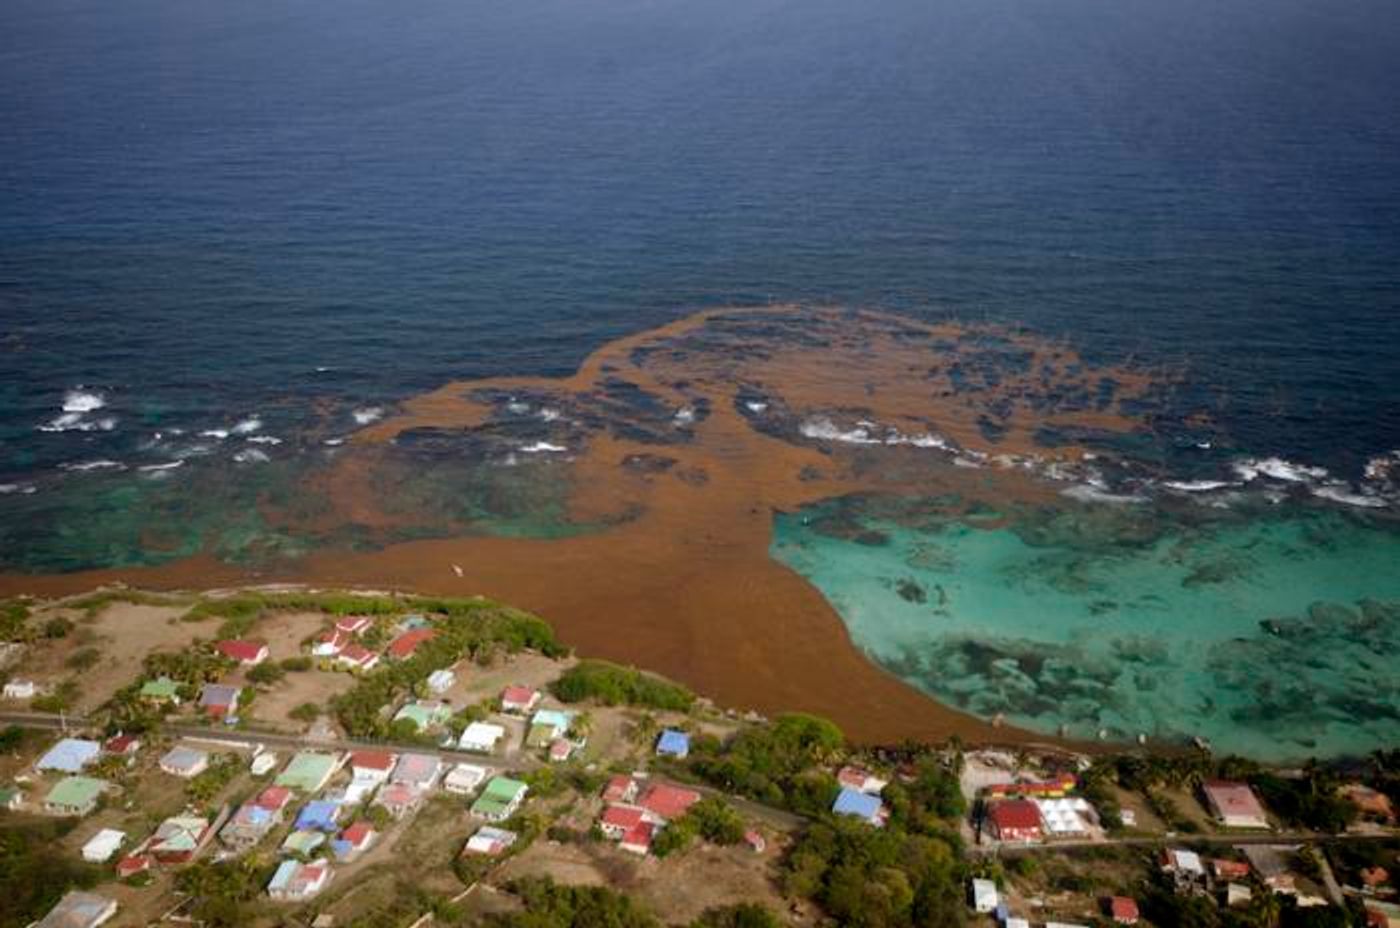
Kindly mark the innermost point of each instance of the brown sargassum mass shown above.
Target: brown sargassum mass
(682, 443)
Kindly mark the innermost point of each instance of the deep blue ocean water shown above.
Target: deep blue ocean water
(215, 213)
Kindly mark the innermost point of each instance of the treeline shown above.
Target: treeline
(35, 871)
(613, 685)
(465, 628)
(551, 905)
(779, 764)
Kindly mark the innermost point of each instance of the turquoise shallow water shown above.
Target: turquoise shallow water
(1273, 633)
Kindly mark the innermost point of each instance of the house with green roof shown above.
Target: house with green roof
(161, 690)
(74, 796)
(304, 842)
(500, 799)
(308, 771)
(424, 715)
(547, 725)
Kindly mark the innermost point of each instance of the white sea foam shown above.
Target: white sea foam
(517, 407)
(1277, 469)
(247, 426)
(684, 416)
(334, 442)
(823, 429)
(214, 433)
(549, 415)
(100, 464)
(756, 407)
(542, 446)
(23, 489)
(251, 456)
(1196, 486)
(1341, 493)
(160, 468)
(1089, 494)
(264, 439)
(368, 414)
(80, 400)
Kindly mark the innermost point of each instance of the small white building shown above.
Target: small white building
(184, 762)
(464, 778)
(440, 681)
(263, 764)
(21, 689)
(481, 737)
(101, 846)
(984, 896)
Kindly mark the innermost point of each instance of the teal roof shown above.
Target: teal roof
(307, 771)
(75, 792)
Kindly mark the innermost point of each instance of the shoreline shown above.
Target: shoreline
(680, 581)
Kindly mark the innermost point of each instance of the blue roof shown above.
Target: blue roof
(319, 814)
(853, 802)
(673, 742)
(70, 755)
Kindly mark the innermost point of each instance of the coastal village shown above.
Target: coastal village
(335, 759)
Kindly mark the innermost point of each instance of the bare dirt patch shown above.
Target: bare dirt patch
(475, 683)
(274, 705)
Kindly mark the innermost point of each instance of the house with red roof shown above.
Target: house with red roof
(620, 788)
(274, 798)
(331, 643)
(1014, 820)
(373, 766)
(638, 839)
(1234, 805)
(353, 624)
(1123, 910)
(357, 658)
(247, 652)
(664, 802)
(133, 864)
(354, 840)
(860, 780)
(122, 746)
(404, 646)
(519, 700)
(1051, 788)
(1229, 871)
(617, 820)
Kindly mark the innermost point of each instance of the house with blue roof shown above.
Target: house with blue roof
(673, 743)
(319, 815)
(70, 755)
(860, 805)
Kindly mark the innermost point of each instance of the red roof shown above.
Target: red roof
(639, 836)
(1015, 815)
(373, 760)
(136, 863)
(1123, 909)
(669, 801)
(358, 833)
(408, 642)
(518, 695)
(624, 817)
(243, 651)
(274, 798)
(356, 654)
(618, 786)
(1230, 869)
(1234, 798)
(122, 744)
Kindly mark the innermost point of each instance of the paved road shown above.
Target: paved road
(239, 737)
(1271, 837)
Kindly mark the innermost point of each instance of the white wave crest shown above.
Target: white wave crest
(1089, 494)
(251, 456)
(264, 439)
(247, 426)
(1277, 469)
(684, 416)
(548, 414)
(367, 415)
(334, 442)
(80, 400)
(100, 464)
(823, 429)
(23, 489)
(160, 468)
(1341, 493)
(542, 446)
(74, 422)
(1196, 486)
(756, 407)
(517, 407)
(214, 433)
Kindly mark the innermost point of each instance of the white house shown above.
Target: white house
(984, 896)
(20, 689)
(101, 846)
(440, 681)
(481, 737)
(184, 762)
(464, 778)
